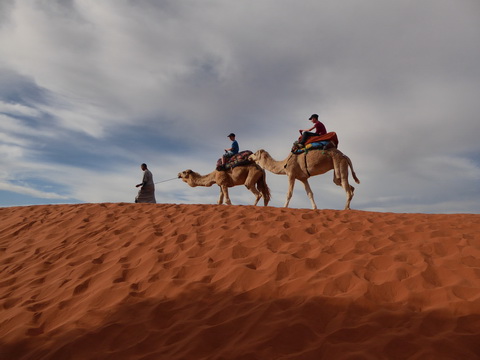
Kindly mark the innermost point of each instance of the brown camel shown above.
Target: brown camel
(252, 176)
(314, 162)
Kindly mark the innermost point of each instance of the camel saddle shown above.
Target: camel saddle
(320, 142)
(236, 160)
(331, 136)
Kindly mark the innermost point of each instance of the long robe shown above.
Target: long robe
(146, 194)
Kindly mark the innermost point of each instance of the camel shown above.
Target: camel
(314, 162)
(251, 175)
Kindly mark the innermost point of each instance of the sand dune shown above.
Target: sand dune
(145, 281)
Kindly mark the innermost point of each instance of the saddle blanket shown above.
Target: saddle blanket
(319, 145)
(331, 136)
(236, 160)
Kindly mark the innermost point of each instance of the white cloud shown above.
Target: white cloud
(27, 190)
(18, 109)
(397, 81)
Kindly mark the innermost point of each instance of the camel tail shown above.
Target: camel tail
(263, 188)
(353, 171)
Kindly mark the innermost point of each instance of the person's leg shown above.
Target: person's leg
(305, 136)
(226, 156)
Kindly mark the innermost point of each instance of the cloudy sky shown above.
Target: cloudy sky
(91, 89)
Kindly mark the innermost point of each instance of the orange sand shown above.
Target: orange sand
(146, 281)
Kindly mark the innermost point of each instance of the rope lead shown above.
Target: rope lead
(166, 180)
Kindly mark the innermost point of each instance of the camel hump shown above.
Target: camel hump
(236, 160)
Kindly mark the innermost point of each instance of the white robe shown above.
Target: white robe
(146, 194)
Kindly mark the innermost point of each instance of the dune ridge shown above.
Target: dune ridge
(166, 281)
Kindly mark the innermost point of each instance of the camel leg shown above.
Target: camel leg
(336, 179)
(266, 200)
(250, 182)
(291, 185)
(262, 187)
(309, 191)
(255, 192)
(220, 198)
(225, 194)
(349, 189)
(350, 197)
(342, 180)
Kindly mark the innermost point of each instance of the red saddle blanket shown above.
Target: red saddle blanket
(331, 136)
(236, 160)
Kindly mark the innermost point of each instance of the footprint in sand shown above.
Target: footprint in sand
(62, 304)
(36, 331)
(282, 271)
(7, 260)
(380, 263)
(285, 238)
(311, 230)
(123, 277)
(99, 260)
(181, 238)
(38, 281)
(273, 243)
(11, 302)
(7, 283)
(82, 287)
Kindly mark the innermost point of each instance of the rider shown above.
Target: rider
(232, 150)
(319, 130)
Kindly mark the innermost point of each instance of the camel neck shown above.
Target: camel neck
(272, 165)
(205, 180)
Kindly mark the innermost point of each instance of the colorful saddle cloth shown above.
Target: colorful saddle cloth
(319, 145)
(321, 142)
(236, 160)
(331, 136)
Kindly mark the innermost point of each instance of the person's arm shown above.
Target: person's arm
(230, 149)
(144, 181)
(301, 131)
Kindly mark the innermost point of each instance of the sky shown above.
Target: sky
(91, 89)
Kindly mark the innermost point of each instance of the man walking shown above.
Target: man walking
(146, 194)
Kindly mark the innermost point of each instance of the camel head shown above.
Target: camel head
(195, 179)
(257, 156)
(186, 176)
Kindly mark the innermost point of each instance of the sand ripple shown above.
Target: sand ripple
(145, 281)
